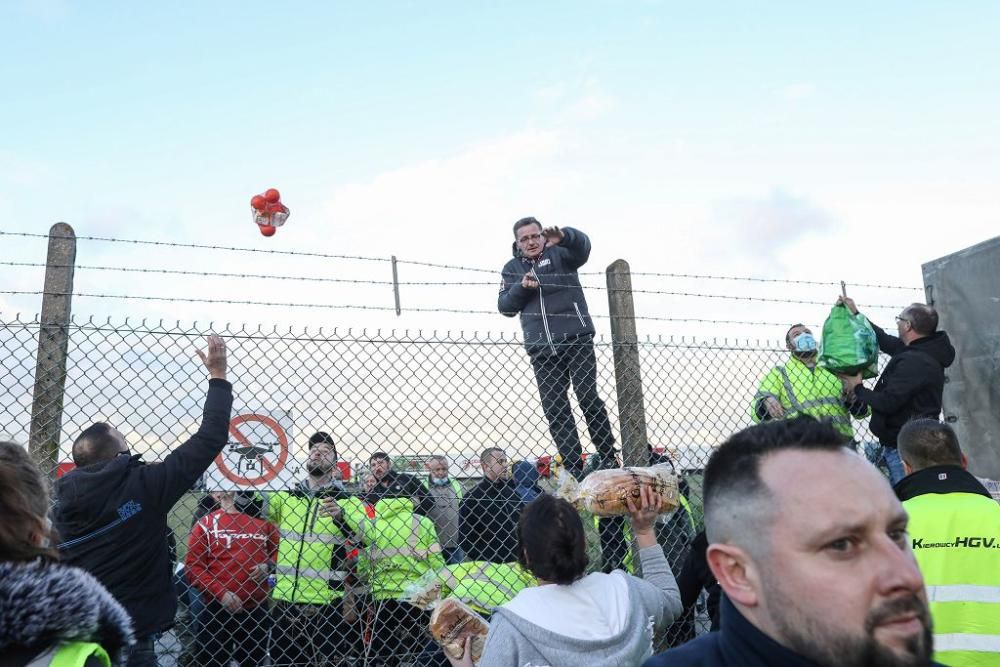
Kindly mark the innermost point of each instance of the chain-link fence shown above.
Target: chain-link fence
(310, 544)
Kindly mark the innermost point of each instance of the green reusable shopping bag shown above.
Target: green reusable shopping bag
(849, 344)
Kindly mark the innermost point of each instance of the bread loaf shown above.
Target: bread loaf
(604, 492)
(451, 622)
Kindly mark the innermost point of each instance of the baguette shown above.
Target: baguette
(451, 622)
(604, 492)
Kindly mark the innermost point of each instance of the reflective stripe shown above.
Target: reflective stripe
(963, 593)
(964, 642)
(405, 551)
(482, 577)
(329, 575)
(320, 538)
(829, 400)
(796, 406)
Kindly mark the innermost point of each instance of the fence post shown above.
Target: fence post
(53, 344)
(628, 378)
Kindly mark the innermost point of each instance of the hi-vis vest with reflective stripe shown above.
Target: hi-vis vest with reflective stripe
(312, 548)
(956, 539)
(803, 391)
(484, 586)
(397, 547)
(72, 654)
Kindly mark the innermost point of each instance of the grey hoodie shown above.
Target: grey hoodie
(605, 619)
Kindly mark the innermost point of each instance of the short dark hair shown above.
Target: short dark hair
(524, 222)
(789, 332)
(324, 437)
(923, 318)
(927, 442)
(94, 445)
(490, 451)
(379, 455)
(551, 542)
(24, 503)
(736, 498)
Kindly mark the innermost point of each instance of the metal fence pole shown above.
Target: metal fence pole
(53, 343)
(628, 379)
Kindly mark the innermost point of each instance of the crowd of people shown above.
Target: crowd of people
(808, 556)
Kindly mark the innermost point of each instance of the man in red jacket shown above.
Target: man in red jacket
(230, 555)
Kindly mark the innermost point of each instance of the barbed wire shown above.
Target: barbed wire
(454, 267)
(417, 309)
(355, 281)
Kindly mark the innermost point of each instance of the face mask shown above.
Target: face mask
(440, 482)
(804, 342)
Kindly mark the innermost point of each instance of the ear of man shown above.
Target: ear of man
(736, 572)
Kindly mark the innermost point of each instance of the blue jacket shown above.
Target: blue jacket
(112, 516)
(557, 311)
(526, 480)
(737, 644)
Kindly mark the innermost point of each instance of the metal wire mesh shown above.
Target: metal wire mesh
(326, 591)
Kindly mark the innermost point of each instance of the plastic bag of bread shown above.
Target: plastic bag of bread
(604, 492)
(424, 592)
(451, 622)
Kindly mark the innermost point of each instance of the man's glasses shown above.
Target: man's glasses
(901, 319)
(529, 237)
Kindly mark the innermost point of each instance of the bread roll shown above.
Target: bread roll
(604, 492)
(451, 622)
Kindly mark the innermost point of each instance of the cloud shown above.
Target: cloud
(764, 227)
(582, 100)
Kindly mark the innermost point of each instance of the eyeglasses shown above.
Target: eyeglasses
(529, 237)
(901, 319)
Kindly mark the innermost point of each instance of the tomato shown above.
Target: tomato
(272, 196)
(258, 202)
(268, 230)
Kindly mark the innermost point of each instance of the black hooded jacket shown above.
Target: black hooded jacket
(112, 516)
(911, 384)
(557, 311)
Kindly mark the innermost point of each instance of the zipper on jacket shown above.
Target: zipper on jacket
(579, 314)
(545, 317)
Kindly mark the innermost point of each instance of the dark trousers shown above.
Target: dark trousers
(311, 634)
(398, 632)
(142, 654)
(224, 636)
(573, 363)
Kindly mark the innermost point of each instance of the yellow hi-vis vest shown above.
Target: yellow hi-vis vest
(397, 548)
(456, 486)
(956, 540)
(805, 391)
(482, 585)
(629, 561)
(73, 654)
(311, 554)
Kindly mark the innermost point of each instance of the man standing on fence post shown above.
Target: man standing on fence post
(111, 511)
(541, 283)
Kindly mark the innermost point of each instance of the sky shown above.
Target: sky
(848, 141)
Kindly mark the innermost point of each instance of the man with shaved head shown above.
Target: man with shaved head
(955, 532)
(912, 383)
(809, 545)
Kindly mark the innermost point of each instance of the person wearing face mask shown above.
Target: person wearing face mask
(800, 387)
(446, 494)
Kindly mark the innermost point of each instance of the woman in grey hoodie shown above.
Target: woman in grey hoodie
(575, 619)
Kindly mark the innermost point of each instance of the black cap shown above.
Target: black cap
(322, 436)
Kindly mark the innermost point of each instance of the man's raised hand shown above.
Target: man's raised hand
(849, 302)
(215, 358)
(529, 281)
(553, 235)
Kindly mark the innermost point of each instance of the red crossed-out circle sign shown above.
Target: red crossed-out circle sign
(270, 470)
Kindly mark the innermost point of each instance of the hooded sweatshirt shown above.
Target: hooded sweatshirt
(44, 605)
(526, 480)
(601, 619)
(911, 385)
(112, 516)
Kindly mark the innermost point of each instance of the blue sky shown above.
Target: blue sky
(850, 140)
